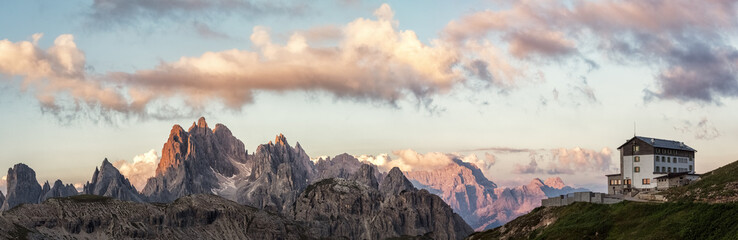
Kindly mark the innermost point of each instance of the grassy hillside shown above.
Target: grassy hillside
(717, 186)
(705, 209)
(626, 220)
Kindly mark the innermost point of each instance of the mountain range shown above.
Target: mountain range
(338, 197)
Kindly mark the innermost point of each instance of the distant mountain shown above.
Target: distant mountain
(478, 200)
(23, 188)
(108, 182)
(58, 190)
(338, 197)
(704, 209)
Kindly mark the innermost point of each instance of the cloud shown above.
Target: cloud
(706, 130)
(207, 32)
(703, 130)
(503, 150)
(491, 158)
(531, 168)
(4, 184)
(372, 61)
(565, 161)
(686, 41)
(57, 76)
(79, 186)
(571, 161)
(126, 12)
(410, 160)
(141, 169)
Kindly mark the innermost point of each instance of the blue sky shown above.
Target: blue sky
(558, 103)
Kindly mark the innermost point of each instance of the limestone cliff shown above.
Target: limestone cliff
(22, 187)
(107, 181)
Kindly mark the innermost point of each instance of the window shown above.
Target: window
(663, 169)
(668, 159)
(635, 148)
(618, 181)
(646, 181)
(658, 158)
(690, 168)
(669, 169)
(637, 169)
(637, 159)
(627, 181)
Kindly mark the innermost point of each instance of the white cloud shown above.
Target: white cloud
(141, 169)
(410, 160)
(4, 184)
(80, 186)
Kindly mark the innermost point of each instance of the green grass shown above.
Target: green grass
(631, 220)
(712, 183)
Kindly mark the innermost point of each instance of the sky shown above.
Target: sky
(523, 89)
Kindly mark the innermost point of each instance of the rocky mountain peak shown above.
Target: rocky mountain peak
(537, 182)
(193, 161)
(201, 123)
(109, 182)
(22, 186)
(555, 182)
(395, 182)
(280, 140)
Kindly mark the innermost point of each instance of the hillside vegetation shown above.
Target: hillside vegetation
(705, 209)
(626, 220)
(717, 186)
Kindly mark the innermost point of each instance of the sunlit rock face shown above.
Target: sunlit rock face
(107, 181)
(194, 161)
(478, 200)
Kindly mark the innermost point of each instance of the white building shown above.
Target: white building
(642, 159)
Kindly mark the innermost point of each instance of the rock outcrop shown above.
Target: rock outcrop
(2, 198)
(353, 209)
(196, 161)
(341, 166)
(279, 173)
(58, 190)
(107, 181)
(192, 217)
(22, 187)
(395, 182)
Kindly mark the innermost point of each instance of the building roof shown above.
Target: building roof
(663, 143)
(673, 175)
(614, 174)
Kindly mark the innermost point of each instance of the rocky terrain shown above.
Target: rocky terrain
(278, 175)
(337, 197)
(357, 210)
(107, 181)
(95, 217)
(198, 160)
(478, 200)
(24, 188)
